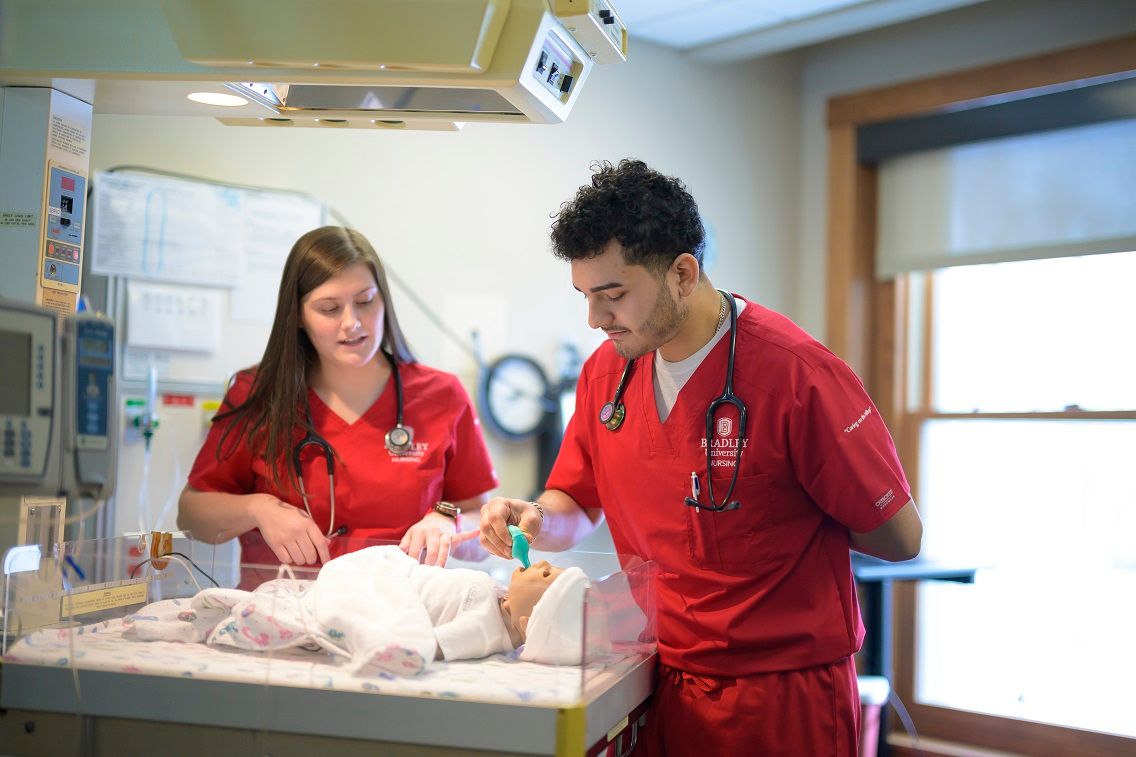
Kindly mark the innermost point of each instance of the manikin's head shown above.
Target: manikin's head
(545, 605)
(526, 588)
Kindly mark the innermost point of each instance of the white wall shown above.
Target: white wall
(978, 35)
(467, 214)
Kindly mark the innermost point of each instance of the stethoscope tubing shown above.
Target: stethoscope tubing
(726, 398)
(312, 438)
(613, 413)
(331, 499)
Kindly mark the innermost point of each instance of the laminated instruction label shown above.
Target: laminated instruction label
(83, 601)
(8, 218)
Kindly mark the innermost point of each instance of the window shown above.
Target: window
(872, 320)
(1027, 445)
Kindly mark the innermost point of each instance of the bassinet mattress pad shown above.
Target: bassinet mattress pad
(502, 678)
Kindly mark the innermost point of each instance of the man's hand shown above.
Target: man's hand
(500, 513)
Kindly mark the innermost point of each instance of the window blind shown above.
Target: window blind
(1051, 194)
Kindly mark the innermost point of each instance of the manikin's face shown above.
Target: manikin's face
(632, 305)
(343, 317)
(525, 590)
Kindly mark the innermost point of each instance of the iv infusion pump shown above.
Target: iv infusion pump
(57, 418)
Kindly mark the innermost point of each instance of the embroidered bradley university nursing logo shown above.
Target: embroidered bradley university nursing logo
(724, 444)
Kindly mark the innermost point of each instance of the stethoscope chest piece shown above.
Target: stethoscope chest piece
(612, 415)
(399, 440)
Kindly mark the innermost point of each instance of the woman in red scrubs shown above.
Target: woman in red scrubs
(337, 392)
(748, 516)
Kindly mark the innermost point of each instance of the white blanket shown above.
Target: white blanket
(362, 609)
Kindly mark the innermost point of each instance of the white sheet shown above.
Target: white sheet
(499, 679)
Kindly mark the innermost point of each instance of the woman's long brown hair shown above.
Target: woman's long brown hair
(277, 403)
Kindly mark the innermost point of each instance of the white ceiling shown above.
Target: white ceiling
(724, 31)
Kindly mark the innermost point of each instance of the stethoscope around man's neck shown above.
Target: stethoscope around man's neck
(398, 441)
(614, 412)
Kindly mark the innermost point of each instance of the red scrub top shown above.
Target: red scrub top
(378, 495)
(766, 587)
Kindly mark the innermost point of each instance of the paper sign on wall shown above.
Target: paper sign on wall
(173, 318)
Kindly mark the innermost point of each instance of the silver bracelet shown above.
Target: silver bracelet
(539, 509)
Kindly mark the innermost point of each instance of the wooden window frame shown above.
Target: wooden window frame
(866, 325)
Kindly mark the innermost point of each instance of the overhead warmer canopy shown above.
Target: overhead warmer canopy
(328, 63)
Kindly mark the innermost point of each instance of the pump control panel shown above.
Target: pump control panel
(89, 453)
(57, 403)
(28, 397)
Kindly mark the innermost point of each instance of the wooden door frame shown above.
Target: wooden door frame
(865, 323)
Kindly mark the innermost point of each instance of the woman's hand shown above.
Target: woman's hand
(500, 513)
(289, 531)
(434, 533)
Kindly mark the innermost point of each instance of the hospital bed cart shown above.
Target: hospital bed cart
(74, 680)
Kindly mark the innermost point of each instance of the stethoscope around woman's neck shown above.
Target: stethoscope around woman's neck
(613, 413)
(398, 441)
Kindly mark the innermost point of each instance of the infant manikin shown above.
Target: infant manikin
(379, 608)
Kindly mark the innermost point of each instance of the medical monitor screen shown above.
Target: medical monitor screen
(15, 373)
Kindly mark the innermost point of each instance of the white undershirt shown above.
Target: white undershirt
(671, 377)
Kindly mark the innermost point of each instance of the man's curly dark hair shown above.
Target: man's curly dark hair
(652, 216)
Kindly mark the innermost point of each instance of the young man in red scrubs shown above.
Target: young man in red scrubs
(749, 518)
